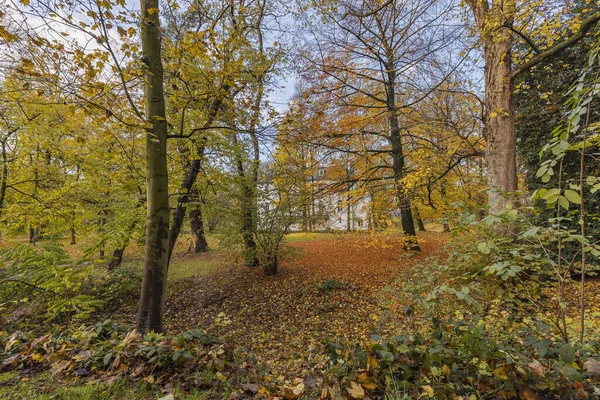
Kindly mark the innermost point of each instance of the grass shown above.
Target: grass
(47, 387)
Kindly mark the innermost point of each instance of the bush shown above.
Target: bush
(45, 275)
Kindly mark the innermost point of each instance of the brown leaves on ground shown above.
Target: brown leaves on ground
(329, 289)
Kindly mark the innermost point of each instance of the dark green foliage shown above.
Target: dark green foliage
(458, 358)
(540, 106)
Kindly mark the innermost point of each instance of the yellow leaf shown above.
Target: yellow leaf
(429, 390)
(356, 391)
(299, 389)
(446, 370)
(500, 373)
(367, 381)
(221, 377)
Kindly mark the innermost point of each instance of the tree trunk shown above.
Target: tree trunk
(102, 223)
(193, 168)
(408, 225)
(156, 255)
(248, 228)
(183, 199)
(248, 208)
(500, 128)
(199, 243)
(395, 138)
(499, 119)
(34, 235)
(73, 241)
(420, 224)
(270, 265)
(116, 259)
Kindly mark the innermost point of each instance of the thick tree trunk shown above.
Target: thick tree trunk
(500, 127)
(199, 243)
(408, 225)
(248, 208)
(156, 255)
(499, 118)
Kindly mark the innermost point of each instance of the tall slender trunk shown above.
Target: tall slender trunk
(4, 182)
(408, 225)
(102, 223)
(73, 239)
(248, 225)
(156, 255)
(199, 243)
(395, 139)
(193, 168)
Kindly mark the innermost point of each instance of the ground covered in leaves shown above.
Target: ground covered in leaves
(328, 286)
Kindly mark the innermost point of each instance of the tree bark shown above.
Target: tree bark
(156, 257)
(270, 265)
(183, 199)
(117, 259)
(73, 241)
(395, 138)
(420, 224)
(199, 243)
(499, 120)
(34, 235)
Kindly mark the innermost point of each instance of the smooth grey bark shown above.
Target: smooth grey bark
(156, 257)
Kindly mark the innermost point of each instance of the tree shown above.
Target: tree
(156, 258)
(376, 58)
(498, 21)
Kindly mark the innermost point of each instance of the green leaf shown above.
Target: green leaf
(572, 373)
(563, 202)
(483, 247)
(107, 358)
(566, 353)
(572, 196)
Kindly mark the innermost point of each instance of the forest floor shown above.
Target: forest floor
(328, 286)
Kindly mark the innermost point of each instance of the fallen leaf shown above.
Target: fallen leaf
(356, 391)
